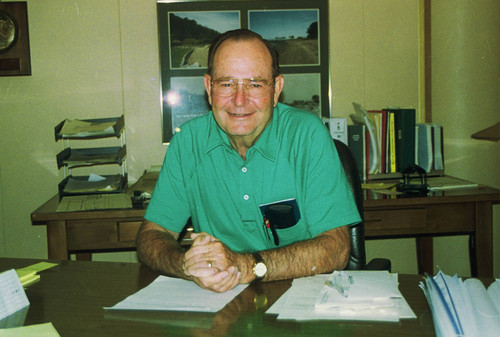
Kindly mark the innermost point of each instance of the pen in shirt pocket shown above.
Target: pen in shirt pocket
(268, 225)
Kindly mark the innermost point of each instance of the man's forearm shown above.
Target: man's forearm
(322, 254)
(161, 252)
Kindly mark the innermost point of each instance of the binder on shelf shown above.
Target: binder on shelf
(395, 141)
(392, 143)
(424, 153)
(438, 147)
(357, 144)
(404, 125)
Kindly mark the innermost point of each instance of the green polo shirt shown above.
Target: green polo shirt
(204, 178)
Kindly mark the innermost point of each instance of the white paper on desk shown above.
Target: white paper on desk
(298, 303)
(12, 295)
(299, 299)
(372, 288)
(485, 313)
(494, 292)
(370, 295)
(461, 308)
(167, 293)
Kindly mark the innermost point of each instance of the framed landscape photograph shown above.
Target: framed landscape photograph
(297, 29)
(303, 91)
(294, 33)
(190, 34)
(187, 99)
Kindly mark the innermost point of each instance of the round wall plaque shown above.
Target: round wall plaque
(9, 31)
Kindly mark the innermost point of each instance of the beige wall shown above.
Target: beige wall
(466, 99)
(99, 58)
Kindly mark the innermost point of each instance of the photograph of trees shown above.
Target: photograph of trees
(294, 33)
(303, 91)
(192, 32)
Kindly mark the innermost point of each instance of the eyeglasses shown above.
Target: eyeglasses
(227, 87)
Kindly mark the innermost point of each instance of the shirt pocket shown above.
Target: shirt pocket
(298, 232)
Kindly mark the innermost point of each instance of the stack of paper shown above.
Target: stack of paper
(168, 293)
(463, 308)
(12, 296)
(13, 300)
(345, 295)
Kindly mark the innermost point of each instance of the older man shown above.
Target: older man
(261, 182)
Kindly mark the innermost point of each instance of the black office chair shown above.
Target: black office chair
(357, 260)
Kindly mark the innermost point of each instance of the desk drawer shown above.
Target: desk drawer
(394, 221)
(101, 234)
(127, 230)
(88, 234)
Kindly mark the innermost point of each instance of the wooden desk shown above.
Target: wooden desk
(72, 296)
(452, 212)
(465, 212)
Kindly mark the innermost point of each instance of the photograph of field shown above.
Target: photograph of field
(303, 91)
(192, 32)
(294, 33)
(187, 99)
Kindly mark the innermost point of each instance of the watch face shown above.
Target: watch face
(260, 269)
(8, 31)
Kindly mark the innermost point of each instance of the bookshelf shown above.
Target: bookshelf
(385, 142)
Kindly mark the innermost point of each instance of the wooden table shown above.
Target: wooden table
(72, 296)
(454, 212)
(466, 211)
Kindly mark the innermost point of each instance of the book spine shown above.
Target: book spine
(438, 147)
(356, 143)
(404, 122)
(366, 149)
(383, 140)
(423, 148)
(392, 143)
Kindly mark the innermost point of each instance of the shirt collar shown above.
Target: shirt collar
(267, 145)
(216, 137)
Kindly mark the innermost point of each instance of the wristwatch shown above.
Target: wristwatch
(259, 268)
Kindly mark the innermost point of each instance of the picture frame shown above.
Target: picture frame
(14, 41)
(297, 29)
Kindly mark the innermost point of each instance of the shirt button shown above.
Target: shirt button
(246, 197)
(244, 169)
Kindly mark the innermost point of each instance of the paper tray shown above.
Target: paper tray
(83, 186)
(117, 129)
(91, 156)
